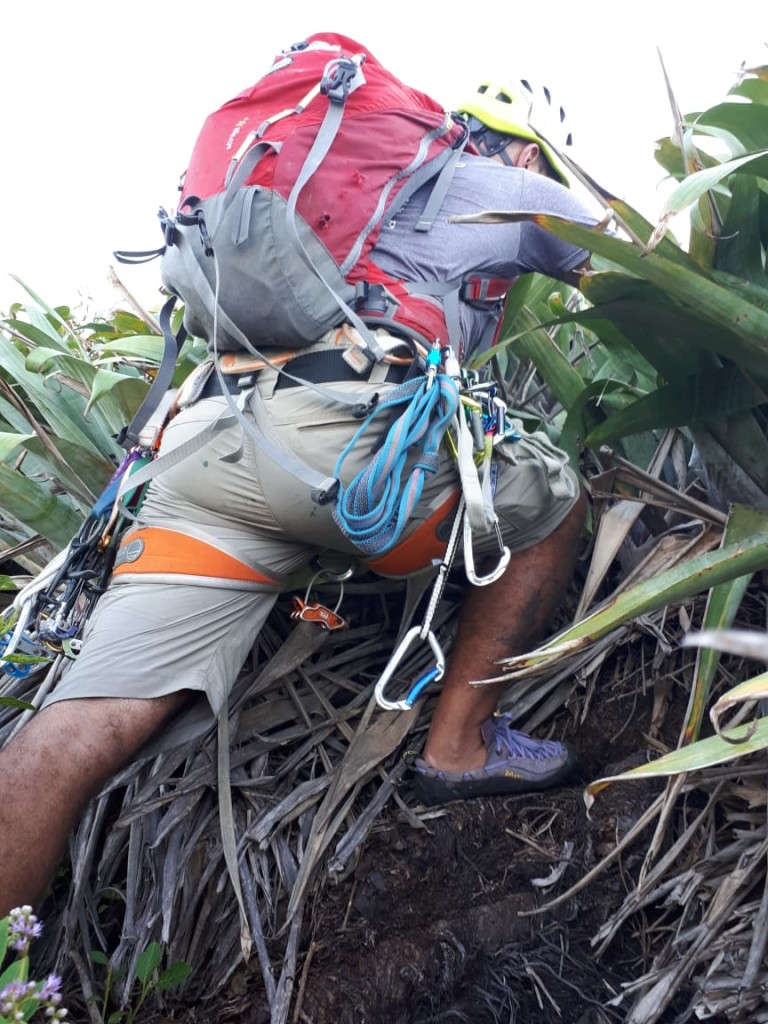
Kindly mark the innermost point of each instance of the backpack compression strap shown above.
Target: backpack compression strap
(129, 435)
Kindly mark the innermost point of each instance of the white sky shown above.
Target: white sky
(101, 103)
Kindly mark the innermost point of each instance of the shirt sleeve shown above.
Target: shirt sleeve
(540, 250)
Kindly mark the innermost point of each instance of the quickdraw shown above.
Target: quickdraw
(431, 675)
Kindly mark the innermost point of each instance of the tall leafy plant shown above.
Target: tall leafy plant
(66, 390)
(698, 319)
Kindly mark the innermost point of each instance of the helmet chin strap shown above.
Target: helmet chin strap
(505, 158)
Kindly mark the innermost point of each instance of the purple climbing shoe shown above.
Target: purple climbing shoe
(515, 763)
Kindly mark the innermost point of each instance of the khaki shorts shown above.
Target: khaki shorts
(221, 531)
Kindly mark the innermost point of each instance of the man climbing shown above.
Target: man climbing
(241, 525)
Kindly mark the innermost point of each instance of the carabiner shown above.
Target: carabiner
(397, 656)
(469, 559)
(432, 362)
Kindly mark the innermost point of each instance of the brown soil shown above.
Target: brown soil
(453, 922)
(450, 923)
(454, 915)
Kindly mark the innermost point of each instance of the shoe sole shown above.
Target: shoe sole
(433, 791)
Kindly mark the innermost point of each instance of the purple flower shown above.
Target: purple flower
(13, 995)
(23, 926)
(49, 990)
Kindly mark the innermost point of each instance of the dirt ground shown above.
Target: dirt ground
(451, 923)
(459, 920)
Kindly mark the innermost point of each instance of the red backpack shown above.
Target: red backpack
(285, 195)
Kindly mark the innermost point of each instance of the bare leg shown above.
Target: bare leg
(50, 770)
(508, 617)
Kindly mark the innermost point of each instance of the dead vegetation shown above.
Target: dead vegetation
(289, 865)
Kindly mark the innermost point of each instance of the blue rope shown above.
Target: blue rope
(372, 511)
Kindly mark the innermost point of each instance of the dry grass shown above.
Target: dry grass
(217, 847)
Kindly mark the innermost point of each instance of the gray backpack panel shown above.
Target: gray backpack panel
(275, 292)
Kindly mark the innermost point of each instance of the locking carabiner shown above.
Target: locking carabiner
(427, 677)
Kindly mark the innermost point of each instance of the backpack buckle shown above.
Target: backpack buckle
(337, 81)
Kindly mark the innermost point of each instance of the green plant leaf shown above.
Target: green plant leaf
(173, 976)
(148, 961)
(17, 970)
(702, 754)
(532, 341)
(30, 1006)
(723, 390)
(82, 472)
(98, 957)
(747, 324)
(673, 585)
(39, 510)
(744, 126)
(147, 348)
(14, 702)
(723, 602)
(644, 230)
(10, 442)
(697, 184)
(60, 407)
(117, 395)
(583, 414)
(49, 310)
(753, 89)
(112, 398)
(739, 248)
(37, 334)
(751, 690)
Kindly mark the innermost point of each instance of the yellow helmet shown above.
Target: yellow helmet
(504, 109)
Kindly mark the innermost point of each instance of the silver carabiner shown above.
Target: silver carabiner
(469, 558)
(397, 656)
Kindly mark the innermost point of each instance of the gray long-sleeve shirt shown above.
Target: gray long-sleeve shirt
(452, 251)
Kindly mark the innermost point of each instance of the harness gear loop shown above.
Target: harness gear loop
(341, 589)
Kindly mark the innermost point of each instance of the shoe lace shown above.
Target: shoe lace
(518, 744)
